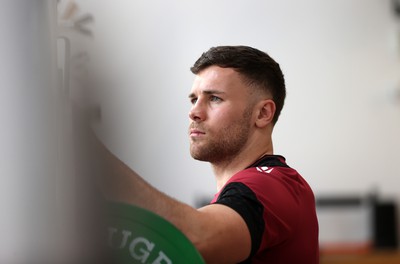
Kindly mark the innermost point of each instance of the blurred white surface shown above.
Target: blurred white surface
(339, 126)
(27, 158)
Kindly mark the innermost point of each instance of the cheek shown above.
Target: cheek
(218, 114)
(223, 117)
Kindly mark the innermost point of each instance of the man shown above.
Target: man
(264, 211)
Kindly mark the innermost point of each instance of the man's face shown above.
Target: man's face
(220, 115)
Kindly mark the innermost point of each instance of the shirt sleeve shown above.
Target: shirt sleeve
(243, 200)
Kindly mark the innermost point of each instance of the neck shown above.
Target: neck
(225, 169)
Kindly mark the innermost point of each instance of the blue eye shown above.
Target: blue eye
(193, 100)
(215, 99)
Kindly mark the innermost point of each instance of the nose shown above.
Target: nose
(197, 112)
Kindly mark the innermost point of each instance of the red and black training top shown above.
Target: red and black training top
(278, 207)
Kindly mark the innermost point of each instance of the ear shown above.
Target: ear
(266, 111)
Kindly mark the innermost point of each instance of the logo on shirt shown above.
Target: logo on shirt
(264, 169)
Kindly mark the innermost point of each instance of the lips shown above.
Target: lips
(196, 132)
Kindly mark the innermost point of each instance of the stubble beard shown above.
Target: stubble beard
(226, 144)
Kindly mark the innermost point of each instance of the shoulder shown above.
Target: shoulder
(281, 190)
(268, 168)
(270, 177)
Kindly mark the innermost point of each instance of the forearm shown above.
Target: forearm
(218, 232)
(122, 184)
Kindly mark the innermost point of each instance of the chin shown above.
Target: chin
(198, 157)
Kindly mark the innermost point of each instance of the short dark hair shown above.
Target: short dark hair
(256, 66)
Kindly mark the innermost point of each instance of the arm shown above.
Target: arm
(217, 231)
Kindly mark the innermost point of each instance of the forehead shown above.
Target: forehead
(217, 78)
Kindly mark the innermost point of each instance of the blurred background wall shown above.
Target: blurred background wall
(341, 123)
(339, 128)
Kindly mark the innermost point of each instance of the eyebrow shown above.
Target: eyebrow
(192, 95)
